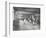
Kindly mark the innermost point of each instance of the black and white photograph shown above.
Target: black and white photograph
(26, 18)
(23, 19)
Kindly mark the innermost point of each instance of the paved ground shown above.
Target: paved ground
(28, 26)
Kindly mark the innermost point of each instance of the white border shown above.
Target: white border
(18, 33)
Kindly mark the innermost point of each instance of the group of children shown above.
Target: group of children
(32, 19)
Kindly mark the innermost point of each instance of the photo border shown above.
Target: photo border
(9, 14)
